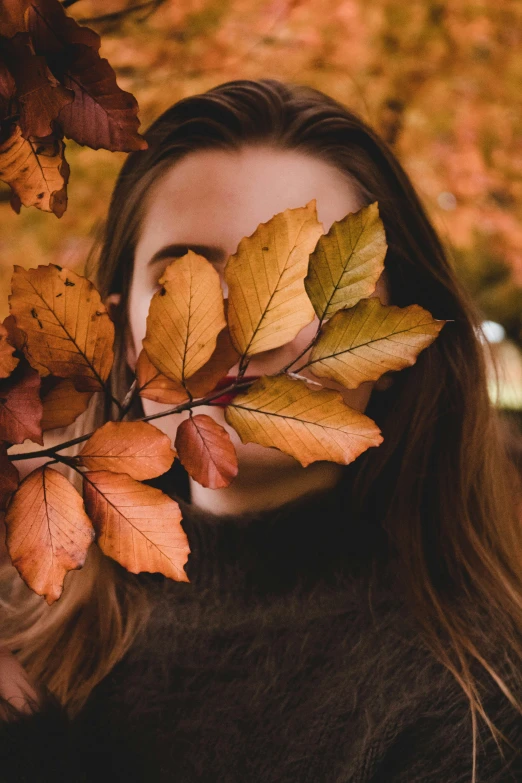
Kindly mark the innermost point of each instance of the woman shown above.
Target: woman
(351, 623)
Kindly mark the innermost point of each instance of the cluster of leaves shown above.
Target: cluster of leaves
(56, 351)
(53, 83)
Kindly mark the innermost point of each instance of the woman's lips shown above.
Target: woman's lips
(225, 399)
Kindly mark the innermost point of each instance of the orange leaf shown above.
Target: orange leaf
(40, 94)
(9, 478)
(67, 326)
(48, 531)
(153, 385)
(206, 451)
(20, 406)
(62, 403)
(36, 170)
(137, 525)
(7, 361)
(133, 447)
(18, 340)
(101, 114)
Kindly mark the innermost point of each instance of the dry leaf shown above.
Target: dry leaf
(62, 404)
(12, 17)
(309, 425)
(185, 317)
(20, 406)
(133, 447)
(267, 301)
(52, 30)
(7, 361)
(136, 525)
(68, 328)
(153, 385)
(370, 339)
(18, 340)
(48, 531)
(9, 478)
(347, 262)
(206, 451)
(7, 94)
(36, 170)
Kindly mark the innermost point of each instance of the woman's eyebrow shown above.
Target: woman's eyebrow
(212, 253)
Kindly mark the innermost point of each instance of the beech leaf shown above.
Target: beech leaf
(9, 478)
(52, 30)
(347, 262)
(36, 170)
(62, 403)
(20, 406)
(48, 531)
(185, 317)
(67, 326)
(101, 114)
(283, 413)
(136, 525)
(18, 340)
(153, 385)
(362, 343)
(267, 301)
(7, 361)
(206, 451)
(133, 447)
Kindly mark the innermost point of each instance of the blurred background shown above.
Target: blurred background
(440, 81)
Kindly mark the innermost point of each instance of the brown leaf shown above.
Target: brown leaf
(51, 29)
(7, 361)
(7, 93)
(9, 478)
(18, 340)
(309, 425)
(101, 114)
(206, 451)
(153, 385)
(137, 525)
(62, 403)
(12, 17)
(40, 94)
(36, 170)
(48, 531)
(133, 447)
(185, 317)
(67, 326)
(20, 406)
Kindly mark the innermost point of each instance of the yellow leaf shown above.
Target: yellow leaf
(347, 262)
(206, 451)
(36, 170)
(267, 301)
(48, 531)
(185, 317)
(67, 326)
(133, 447)
(370, 339)
(309, 425)
(136, 525)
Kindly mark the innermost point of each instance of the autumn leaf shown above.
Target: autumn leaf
(136, 525)
(283, 413)
(52, 30)
(36, 170)
(347, 262)
(185, 317)
(7, 361)
(362, 343)
(267, 301)
(153, 385)
(67, 326)
(40, 94)
(20, 406)
(48, 531)
(7, 93)
(224, 357)
(206, 451)
(9, 478)
(134, 447)
(62, 403)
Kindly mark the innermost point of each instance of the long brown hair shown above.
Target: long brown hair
(441, 483)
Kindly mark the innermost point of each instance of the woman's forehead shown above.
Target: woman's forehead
(219, 196)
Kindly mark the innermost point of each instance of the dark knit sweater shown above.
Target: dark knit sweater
(286, 659)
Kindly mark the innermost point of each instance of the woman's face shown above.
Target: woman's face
(208, 202)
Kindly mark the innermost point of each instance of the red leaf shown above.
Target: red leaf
(40, 94)
(206, 451)
(102, 114)
(9, 478)
(7, 361)
(20, 406)
(51, 29)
